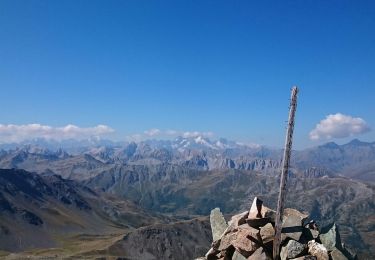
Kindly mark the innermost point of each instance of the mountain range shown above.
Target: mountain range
(105, 198)
(354, 159)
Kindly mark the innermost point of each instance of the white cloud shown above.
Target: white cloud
(152, 132)
(196, 134)
(339, 126)
(17, 133)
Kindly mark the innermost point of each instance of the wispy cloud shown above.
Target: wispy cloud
(152, 132)
(155, 132)
(18, 133)
(339, 126)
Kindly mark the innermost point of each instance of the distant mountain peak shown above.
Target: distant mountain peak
(357, 142)
(330, 145)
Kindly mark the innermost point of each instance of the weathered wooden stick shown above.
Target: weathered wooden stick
(284, 174)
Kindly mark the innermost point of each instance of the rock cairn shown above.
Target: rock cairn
(249, 235)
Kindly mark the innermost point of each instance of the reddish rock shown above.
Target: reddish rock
(260, 254)
(267, 233)
(292, 224)
(318, 250)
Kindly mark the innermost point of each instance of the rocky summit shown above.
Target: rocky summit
(249, 235)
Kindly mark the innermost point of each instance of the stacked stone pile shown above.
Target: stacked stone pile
(250, 235)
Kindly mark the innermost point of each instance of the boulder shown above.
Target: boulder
(259, 254)
(330, 237)
(337, 255)
(292, 250)
(218, 224)
(318, 250)
(267, 233)
(292, 224)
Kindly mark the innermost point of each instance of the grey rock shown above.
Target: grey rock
(331, 239)
(292, 250)
(238, 256)
(218, 224)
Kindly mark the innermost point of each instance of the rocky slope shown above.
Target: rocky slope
(49, 207)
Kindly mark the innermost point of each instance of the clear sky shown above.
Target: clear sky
(211, 66)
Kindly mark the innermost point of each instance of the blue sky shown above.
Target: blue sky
(211, 66)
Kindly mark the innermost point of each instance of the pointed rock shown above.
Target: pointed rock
(258, 210)
(318, 250)
(260, 215)
(218, 224)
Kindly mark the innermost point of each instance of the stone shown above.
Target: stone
(238, 219)
(258, 212)
(337, 255)
(318, 250)
(247, 240)
(250, 232)
(237, 256)
(283, 253)
(267, 233)
(331, 238)
(293, 249)
(226, 241)
(218, 224)
(260, 254)
(292, 224)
